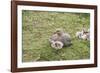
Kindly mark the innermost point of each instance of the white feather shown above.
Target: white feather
(57, 45)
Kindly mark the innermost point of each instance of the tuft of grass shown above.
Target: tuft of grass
(37, 27)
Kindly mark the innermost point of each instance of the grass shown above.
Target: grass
(37, 27)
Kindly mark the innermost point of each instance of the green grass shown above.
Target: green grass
(37, 27)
